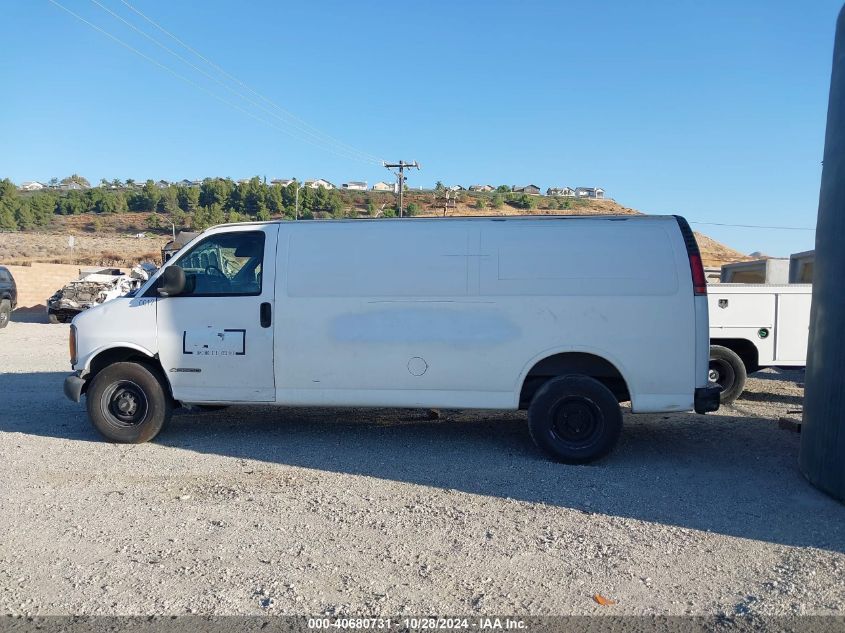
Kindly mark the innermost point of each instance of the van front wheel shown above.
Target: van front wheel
(575, 419)
(128, 403)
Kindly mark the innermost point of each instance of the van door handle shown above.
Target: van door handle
(266, 314)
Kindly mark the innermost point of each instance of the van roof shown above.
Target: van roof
(464, 218)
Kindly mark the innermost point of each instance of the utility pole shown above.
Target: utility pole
(296, 205)
(400, 177)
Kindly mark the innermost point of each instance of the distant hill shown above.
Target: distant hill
(108, 239)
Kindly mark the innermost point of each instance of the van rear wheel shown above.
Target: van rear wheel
(728, 371)
(128, 403)
(574, 419)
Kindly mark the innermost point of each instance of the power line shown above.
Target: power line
(353, 153)
(757, 226)
(200, 87)
(270, 102)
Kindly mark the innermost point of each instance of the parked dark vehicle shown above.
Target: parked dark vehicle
(8, 296)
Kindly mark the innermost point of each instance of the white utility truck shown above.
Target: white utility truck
(564, 316)
(754, 326)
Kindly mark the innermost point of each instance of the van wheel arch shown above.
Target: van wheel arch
(568, 363)
(129, 355)
(742, 347)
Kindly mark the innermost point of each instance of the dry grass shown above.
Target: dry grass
(114, 243)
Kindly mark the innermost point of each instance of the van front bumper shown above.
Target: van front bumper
(73, 387)
(707, 399)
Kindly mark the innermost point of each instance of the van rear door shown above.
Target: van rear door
(215, 339)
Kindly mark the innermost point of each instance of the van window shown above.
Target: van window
(223, 265)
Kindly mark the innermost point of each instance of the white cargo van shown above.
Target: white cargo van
(565, 316)
(754, 326)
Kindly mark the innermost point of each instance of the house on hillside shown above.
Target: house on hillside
(71, 186)
(565, 192)
(319, 184)
(162, 184)
(283, 182)
(196, 183)
(482, 188)
(355, 185)
(31, 185)
(589, 192)
(185, 183)
(383, 186)
(531, 190)
(456, 188)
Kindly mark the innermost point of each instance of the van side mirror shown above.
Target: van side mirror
(171, 282)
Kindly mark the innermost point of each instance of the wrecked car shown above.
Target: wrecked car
(93, 288)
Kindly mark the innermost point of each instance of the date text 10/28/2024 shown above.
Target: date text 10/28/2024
(418, 624)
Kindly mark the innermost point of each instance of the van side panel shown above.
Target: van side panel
(455, 314)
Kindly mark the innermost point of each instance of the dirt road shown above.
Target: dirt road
(263, 510)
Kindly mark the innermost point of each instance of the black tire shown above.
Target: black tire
(128, 403)
(574, 419)
(728, 371)
(5, 312)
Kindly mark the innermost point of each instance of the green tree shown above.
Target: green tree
(168, 200)
(7, 217)
(215, 191)
(273, 199)
(498, 201)
(438, 187)
(153, 221)
(216, 215)
(7, 189)
(114, 202)
(179, 219)
(371, 208)
(334, 204)
(24, 216)
(480, 204)
(188, 198)
(73, 203)
(43, 206)
(503, 189)
(413, 209)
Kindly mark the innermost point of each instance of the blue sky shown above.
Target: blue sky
(714, 110)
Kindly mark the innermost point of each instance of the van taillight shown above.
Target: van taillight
(699, 281)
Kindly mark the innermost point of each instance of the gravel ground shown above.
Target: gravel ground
(309, 511)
